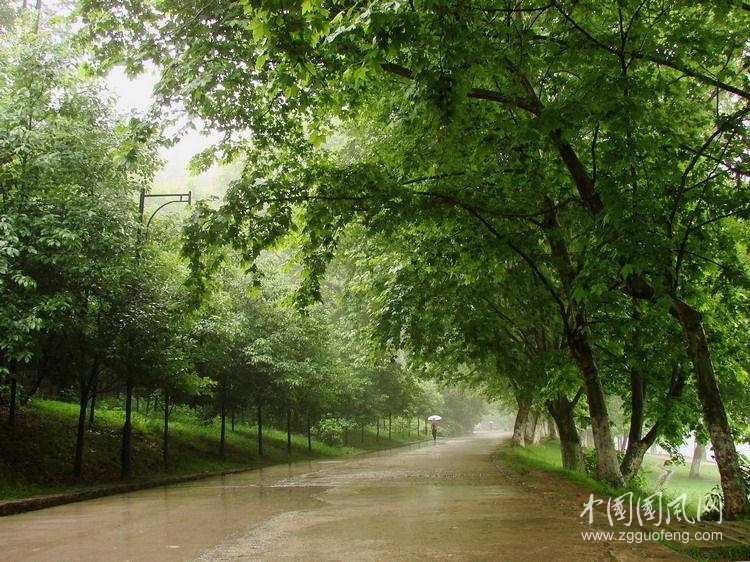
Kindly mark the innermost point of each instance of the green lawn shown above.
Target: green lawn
(547, 457)
(679, 483)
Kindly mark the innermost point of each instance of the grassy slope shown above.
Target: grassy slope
(36, 455)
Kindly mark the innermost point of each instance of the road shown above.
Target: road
(435, 501)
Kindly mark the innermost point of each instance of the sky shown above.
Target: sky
(136, 95)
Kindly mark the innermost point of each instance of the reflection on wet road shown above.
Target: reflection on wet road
(428, 502)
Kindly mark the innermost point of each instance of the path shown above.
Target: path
(444, 501)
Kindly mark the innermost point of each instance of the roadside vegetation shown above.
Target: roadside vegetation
(37, 451)
(544, 202)
(545, 456)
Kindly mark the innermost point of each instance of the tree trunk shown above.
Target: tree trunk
(389, 426)
(38, 19)
(577, 337)
(86, 385)
(289, 431)
(92, 409)
(222, 439)
(714, 415)
(377, 431)
(260, 430)
(522, 415)
(127, 430)
(12, 405)
(309, 434)
(561, 409)
(529, 429)
(552, 428)
(80, 433)
(638, 446)
(635, 448)
(699, 453)
(165, 440)
(607, 467)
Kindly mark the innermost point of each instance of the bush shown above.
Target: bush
(330, 431)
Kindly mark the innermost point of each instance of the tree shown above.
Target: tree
(484, 99)
(67, 167)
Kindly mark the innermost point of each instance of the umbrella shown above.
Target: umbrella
(434, 418)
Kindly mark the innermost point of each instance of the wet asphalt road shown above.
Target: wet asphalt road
(443, 501)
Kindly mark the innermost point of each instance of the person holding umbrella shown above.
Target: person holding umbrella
(434, 420)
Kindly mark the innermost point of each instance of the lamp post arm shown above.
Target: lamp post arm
(159, 208)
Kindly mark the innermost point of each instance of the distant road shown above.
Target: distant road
(444, 501)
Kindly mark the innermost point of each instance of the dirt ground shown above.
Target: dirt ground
(438, 501)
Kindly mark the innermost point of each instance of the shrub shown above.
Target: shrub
(330, 431)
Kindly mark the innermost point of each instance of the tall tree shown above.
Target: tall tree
(633, 115)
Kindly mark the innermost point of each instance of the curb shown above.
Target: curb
(14, 507)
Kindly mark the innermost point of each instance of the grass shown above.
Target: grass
(679, 483)
(546, 457)
(36, 454)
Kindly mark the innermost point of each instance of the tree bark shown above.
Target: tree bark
(80, 434)
(637, 445)
(714, 415)
(92, 409)
(86, 383)
(12, 405)
(522, 416)
(165, 440)
(607, 467)
(127, 431)
(529, 429)
(636, 448)
(260, 429)
(37, 21)
(289, 431)
(309, 434)
(699, 453)
(561, 409)
(552, 427)
(222, 439)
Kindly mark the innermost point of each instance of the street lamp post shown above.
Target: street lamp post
(181, 198)
(125, 464)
